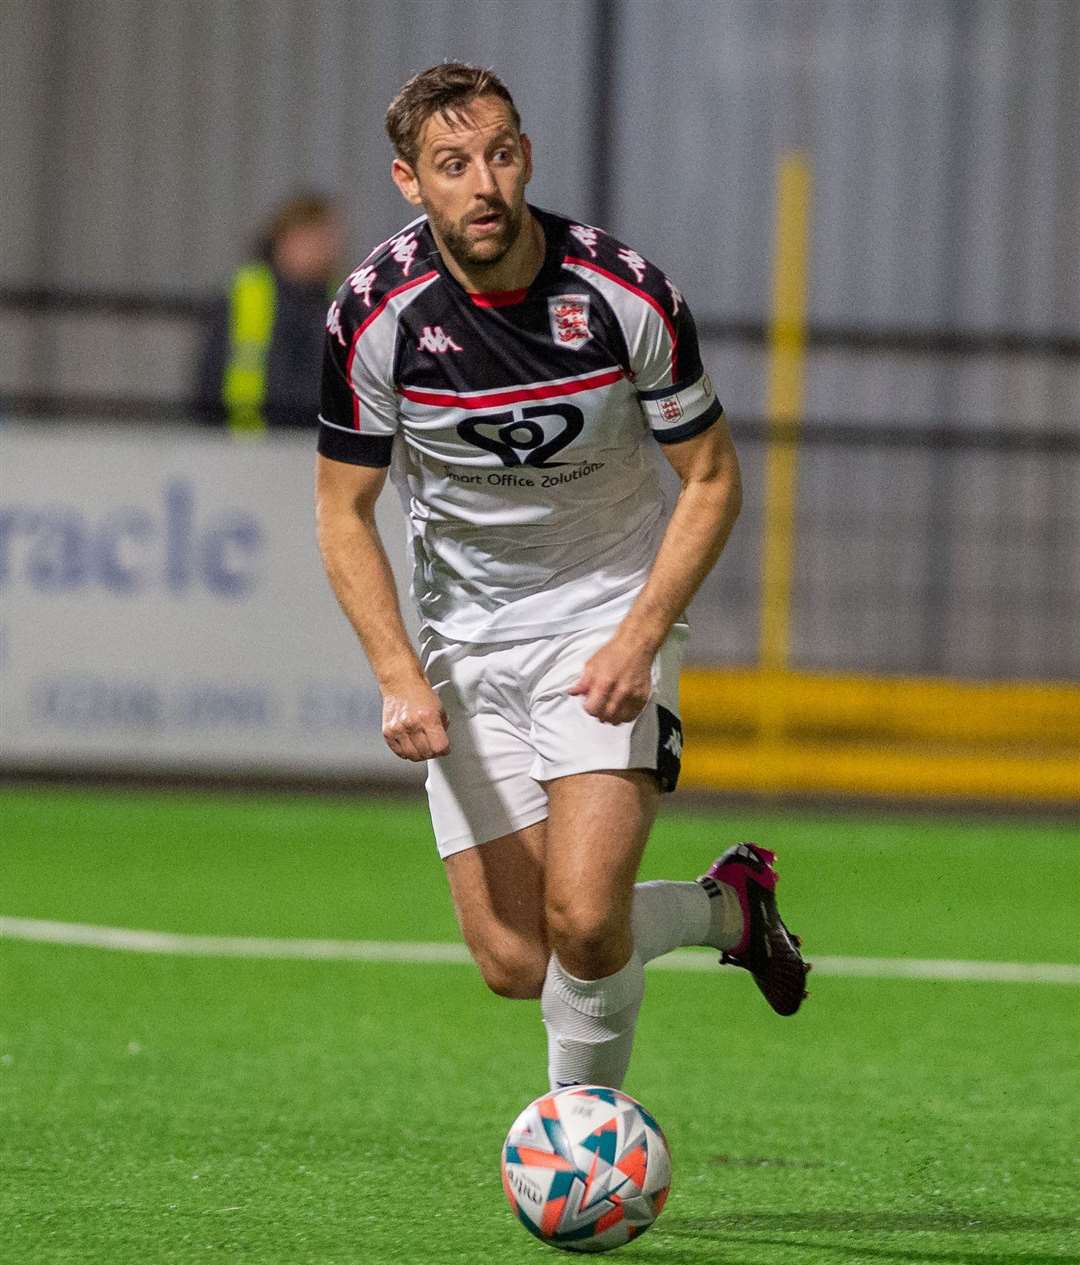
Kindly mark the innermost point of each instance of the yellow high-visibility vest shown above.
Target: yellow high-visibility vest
(251, 320)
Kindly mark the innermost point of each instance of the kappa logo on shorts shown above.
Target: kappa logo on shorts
(569, 316)
(669, 746)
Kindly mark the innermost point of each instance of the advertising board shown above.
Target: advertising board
(163, 607)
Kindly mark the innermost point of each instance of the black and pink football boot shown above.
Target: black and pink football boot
(767, 949)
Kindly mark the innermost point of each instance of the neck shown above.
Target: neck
(515, 271)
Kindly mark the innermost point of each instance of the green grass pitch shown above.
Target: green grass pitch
(166, 1110)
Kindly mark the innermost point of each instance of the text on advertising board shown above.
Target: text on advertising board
(129, 549)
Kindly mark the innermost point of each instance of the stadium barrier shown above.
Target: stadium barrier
(834, 734)
(163, 608)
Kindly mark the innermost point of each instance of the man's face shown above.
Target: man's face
(470, 176)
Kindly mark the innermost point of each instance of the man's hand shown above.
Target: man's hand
(414, 723)
(616, 682)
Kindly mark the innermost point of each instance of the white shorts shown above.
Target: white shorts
(513, 726)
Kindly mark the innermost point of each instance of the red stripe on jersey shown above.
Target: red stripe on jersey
(514, 395)
(642, 294)
(499, 298)
(374, 314)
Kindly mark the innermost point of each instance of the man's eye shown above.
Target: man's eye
(502, 155)
(454, 167)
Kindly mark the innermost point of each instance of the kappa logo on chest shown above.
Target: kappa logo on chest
(436, 340)
(569, 317)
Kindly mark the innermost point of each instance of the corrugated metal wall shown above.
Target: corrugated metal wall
(143, 143)
(143, 140)
(152, 138)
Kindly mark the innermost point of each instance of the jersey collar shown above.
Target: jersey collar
(554, 250)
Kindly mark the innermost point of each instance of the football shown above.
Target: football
(586, 1168)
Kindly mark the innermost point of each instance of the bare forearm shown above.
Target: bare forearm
(694, 539)
(360, 575)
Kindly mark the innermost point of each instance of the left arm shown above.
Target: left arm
(617, 680)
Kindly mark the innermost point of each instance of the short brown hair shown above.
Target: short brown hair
(299, 211)
(442, 89)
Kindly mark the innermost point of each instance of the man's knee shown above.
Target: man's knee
(588, 934)
(512, 971)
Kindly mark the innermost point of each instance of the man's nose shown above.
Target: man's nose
(484, 179)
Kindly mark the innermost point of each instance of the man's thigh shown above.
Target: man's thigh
(498, 893)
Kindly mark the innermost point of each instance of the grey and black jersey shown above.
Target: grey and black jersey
(517, 424)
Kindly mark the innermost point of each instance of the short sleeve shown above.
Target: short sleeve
(676, 394)
(359, 411)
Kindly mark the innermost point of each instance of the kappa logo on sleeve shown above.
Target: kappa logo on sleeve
(634, 262)
(403, 249)
(586, 236)
(333, 323)
(676, 297)
(361, 280)
(569, 317)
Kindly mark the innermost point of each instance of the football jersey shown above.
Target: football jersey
(517, 424)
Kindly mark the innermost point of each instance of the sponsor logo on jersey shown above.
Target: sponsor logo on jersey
(525, 436)
(569, 316)
(670, 409)
(403, 249)
(333, 323)
(586, 236)
(361, 280)
(437, 340)
(634, 262)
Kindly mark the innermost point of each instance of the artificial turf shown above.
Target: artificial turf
(166, 1109)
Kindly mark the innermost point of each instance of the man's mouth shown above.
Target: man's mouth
(487, 222)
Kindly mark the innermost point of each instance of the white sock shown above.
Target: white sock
(590, 1024)
(668, 915)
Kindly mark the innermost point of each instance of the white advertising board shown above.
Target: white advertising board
(163, 607)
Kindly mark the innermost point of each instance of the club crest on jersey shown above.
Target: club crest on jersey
(569, 316)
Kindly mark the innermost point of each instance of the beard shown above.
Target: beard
(486, 251)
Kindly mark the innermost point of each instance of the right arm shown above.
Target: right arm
(414, 723)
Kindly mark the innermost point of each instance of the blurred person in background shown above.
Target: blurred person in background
(260, 361)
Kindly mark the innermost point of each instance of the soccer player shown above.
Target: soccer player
(512, 369)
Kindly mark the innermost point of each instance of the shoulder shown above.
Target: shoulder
(396, 267)
(626, 278)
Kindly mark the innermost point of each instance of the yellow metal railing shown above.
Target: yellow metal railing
(776, 730)
(882, 736)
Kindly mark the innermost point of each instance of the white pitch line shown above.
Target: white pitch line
(123, 939)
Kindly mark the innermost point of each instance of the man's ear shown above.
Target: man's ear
(406, 180)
